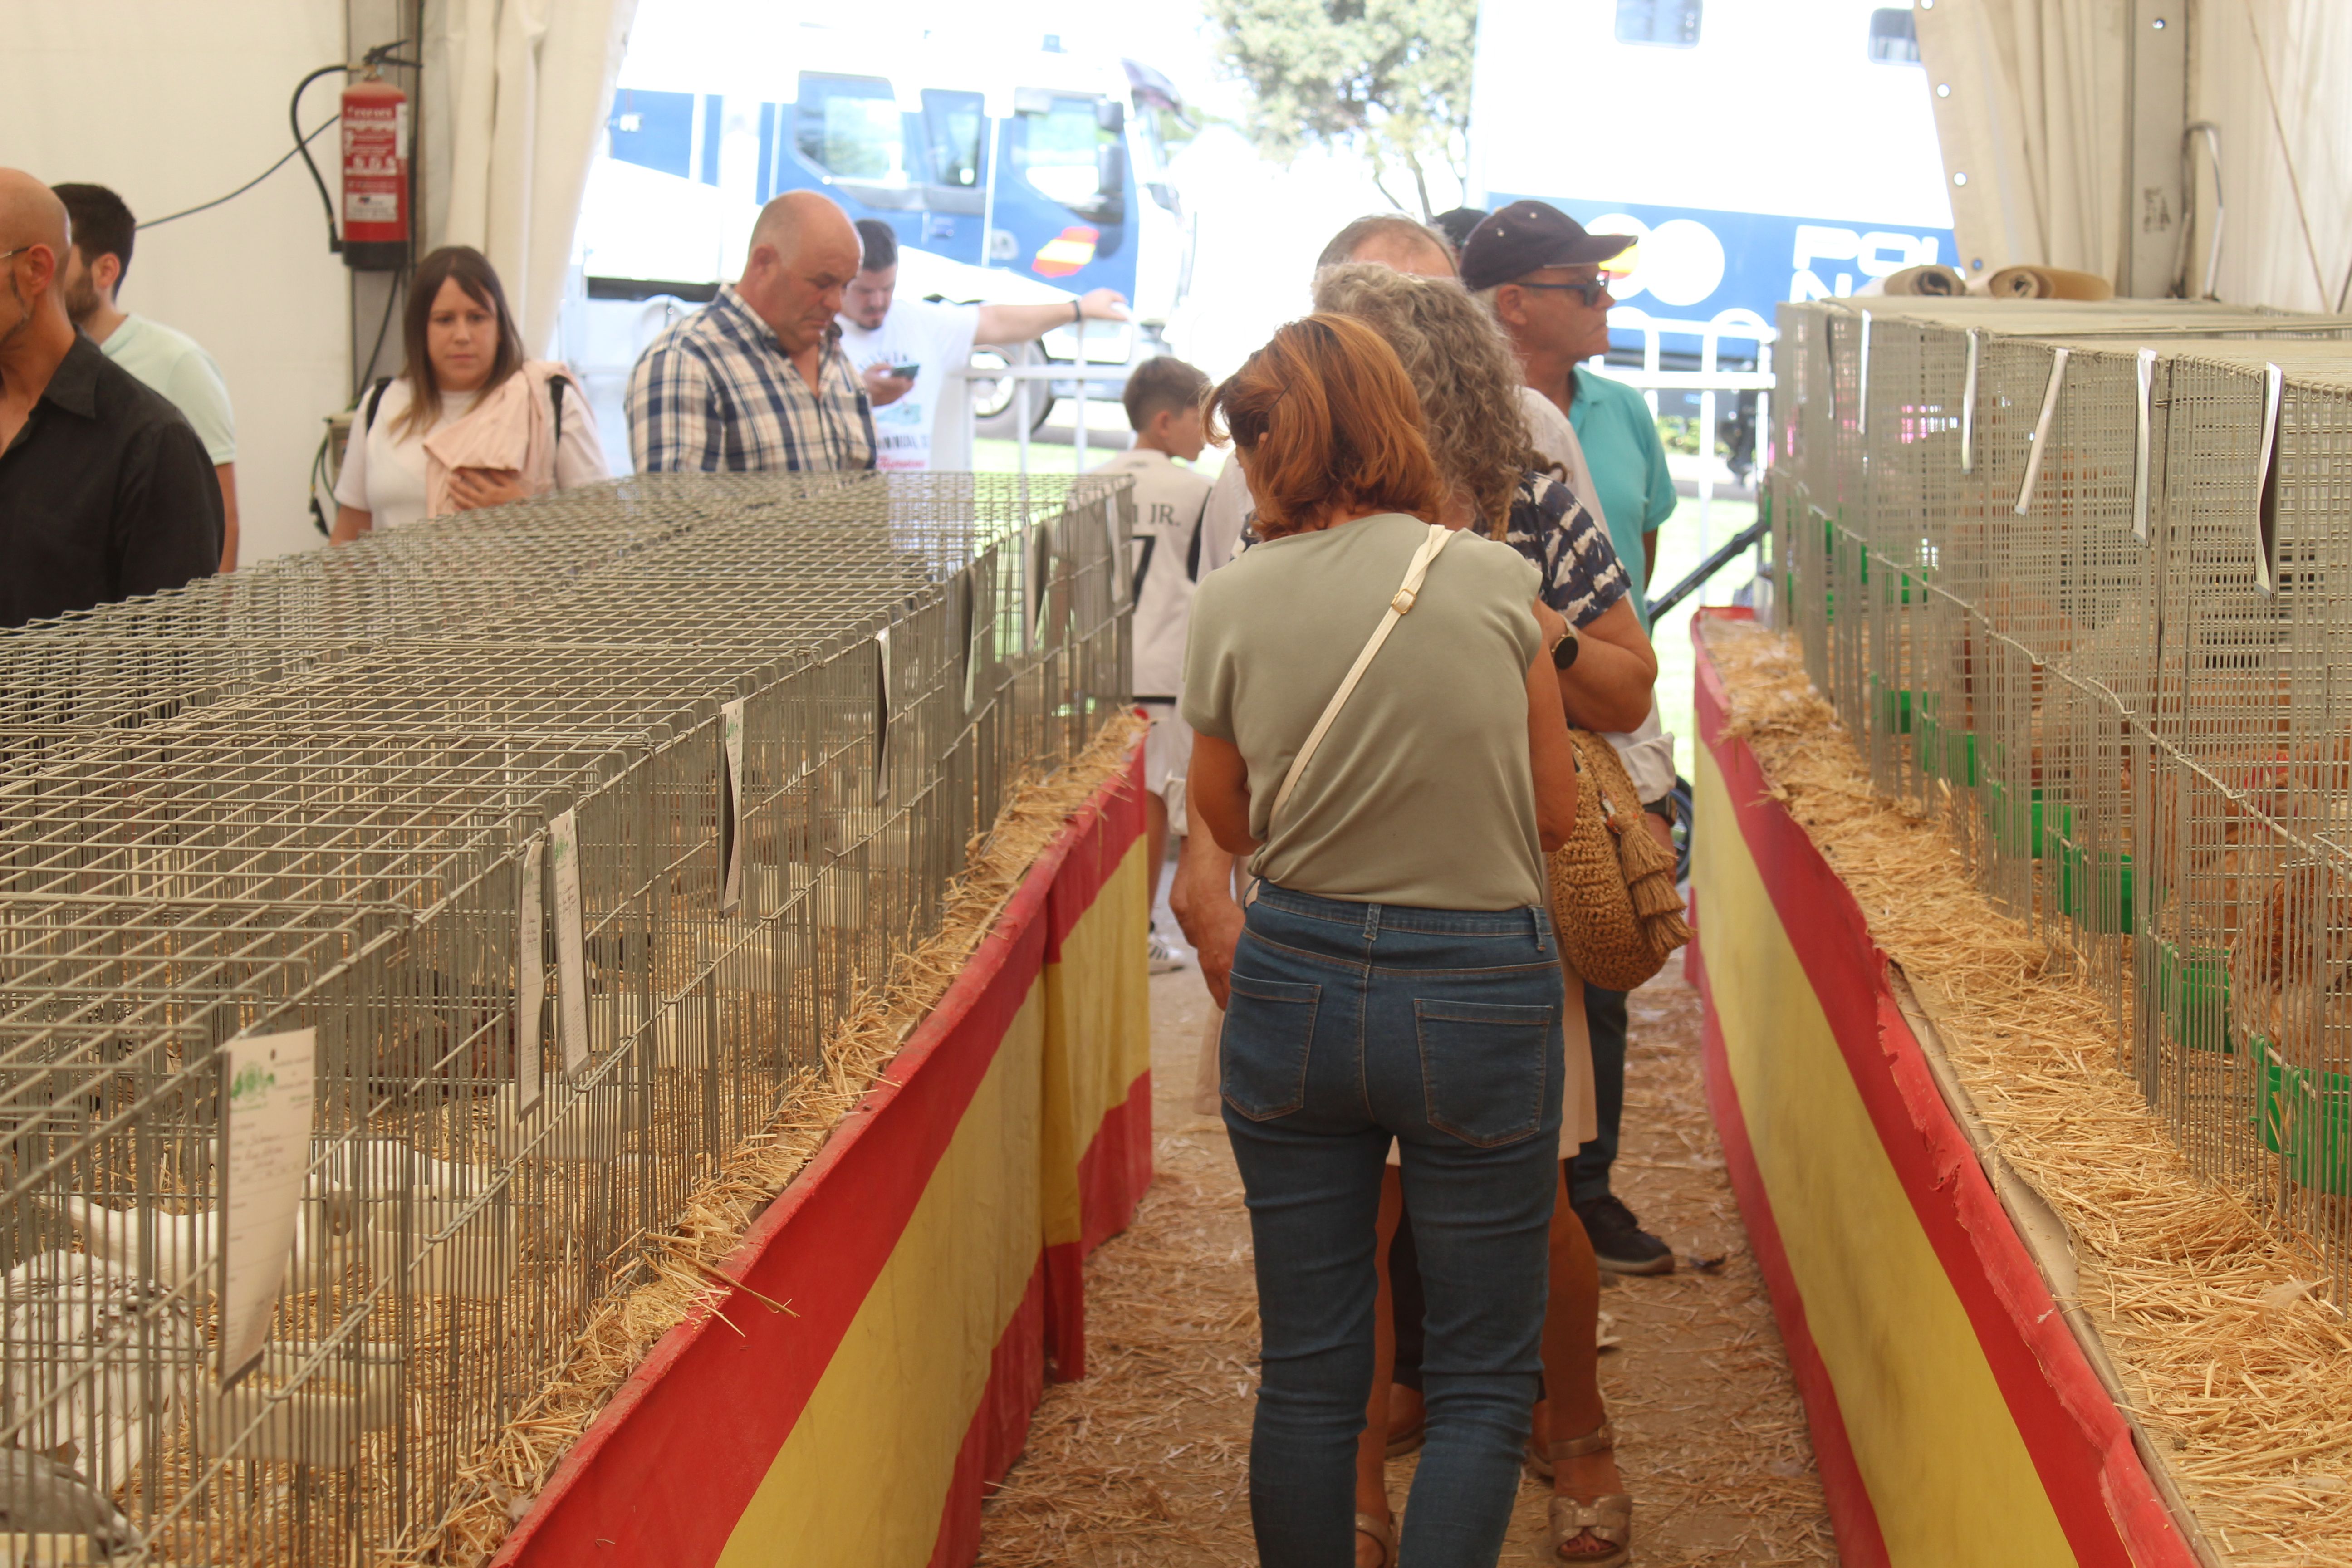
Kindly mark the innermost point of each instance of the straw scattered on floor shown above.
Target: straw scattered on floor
(2243, 1375)
(676, 1282)
(1146, 1460)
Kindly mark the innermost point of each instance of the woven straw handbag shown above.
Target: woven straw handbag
(1613, 903)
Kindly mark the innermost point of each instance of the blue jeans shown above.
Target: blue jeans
(1604, 1019)
(1349, 1024)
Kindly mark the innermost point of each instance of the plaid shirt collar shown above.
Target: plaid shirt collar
(742, 321)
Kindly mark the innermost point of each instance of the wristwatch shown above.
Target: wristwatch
(1564, 652)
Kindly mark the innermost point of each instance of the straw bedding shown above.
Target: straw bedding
(2240, 1370)
(1145, 1461)
(677, 1277)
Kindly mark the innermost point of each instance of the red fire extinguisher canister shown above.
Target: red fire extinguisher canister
(376, 175)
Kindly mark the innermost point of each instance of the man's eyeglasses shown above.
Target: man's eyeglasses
(1590, 293)
(12, 255)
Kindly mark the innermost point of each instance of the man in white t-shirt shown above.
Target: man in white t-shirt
(170, 362)
(1163, 399)
(906, 351)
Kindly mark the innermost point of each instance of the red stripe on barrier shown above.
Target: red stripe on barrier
(1112, 1176)
(1000, 1427)
(2080, 1444)
(1117, 1168)
(666, 1468)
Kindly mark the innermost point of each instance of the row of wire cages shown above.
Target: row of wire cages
(2079, 581)
(393, 939)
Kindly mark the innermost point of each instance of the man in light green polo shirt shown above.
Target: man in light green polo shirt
(170, 362)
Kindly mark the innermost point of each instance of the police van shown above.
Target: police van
(1010, 173)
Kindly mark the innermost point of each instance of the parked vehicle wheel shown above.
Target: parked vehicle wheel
(995, 404)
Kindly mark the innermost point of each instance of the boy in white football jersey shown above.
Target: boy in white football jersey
(1163, 400)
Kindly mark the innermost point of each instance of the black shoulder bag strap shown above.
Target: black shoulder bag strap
(555, 385)
(375, 397)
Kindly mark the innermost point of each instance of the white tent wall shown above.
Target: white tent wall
(516, 96)
(175, 104)
(2032, 128)
(2036, 116)
(2267, 258)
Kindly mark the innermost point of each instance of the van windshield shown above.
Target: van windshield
(1068, 149)
(849, 127)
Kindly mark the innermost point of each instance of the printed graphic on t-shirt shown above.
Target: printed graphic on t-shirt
(902, 431)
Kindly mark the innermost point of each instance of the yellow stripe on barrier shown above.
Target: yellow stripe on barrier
(1939, 1450)
(863, 1478)
(1099, 1009)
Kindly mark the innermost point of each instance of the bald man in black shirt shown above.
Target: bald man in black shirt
(105, 490)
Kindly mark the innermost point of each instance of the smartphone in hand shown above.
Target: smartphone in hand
(906, 372)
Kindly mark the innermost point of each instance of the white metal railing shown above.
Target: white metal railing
(1080, 370)
(1709, 380)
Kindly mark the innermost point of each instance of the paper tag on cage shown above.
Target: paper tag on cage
(265, 1157)
(1968, 408)
(882, 714)
(2143, 438)
(730, 806)
(2050, 390)
(570, 942)
(1117, 510)
(530, 971)
(1037, 555)
(2266, 496)
(970, 599)
(1862, 380)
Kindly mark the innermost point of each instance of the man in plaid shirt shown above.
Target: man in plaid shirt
(757, 380)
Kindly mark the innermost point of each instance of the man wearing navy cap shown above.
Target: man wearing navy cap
(1539, 271)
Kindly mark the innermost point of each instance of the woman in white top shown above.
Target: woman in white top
(469, 422)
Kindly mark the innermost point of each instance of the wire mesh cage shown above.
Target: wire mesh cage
(2070, 578)
(561, 837)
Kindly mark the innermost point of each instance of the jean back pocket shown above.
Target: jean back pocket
(1485, 1067)
(1269, 1025)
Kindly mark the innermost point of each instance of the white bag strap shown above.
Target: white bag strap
(1400, 606)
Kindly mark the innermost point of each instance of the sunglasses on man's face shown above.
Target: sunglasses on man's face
(1590, 293)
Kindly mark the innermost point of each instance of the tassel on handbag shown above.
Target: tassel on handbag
(1615, 906)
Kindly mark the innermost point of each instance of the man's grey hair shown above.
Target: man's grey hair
(1344, 245)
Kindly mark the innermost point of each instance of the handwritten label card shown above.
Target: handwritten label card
(730, 806)
(530, 971)
(265, 1156)
(570, 942)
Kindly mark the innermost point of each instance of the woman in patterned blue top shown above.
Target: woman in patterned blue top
(1468, 383)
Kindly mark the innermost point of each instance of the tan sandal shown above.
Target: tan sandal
(1608, 1518)
(1383, 1536)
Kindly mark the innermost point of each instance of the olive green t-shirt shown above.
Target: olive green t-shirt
(1422, 792)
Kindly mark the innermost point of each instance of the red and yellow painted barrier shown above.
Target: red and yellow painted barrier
(1955, 1418)
(931, 1258)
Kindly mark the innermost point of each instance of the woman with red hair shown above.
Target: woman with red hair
(1378, 726)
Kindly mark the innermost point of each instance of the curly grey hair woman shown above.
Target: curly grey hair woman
(1458, 362)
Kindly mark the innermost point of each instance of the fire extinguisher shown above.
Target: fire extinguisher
(375, 174)
(373, 234)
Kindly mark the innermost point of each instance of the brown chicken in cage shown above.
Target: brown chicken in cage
(2291, 965)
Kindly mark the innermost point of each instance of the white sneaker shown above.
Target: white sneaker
(1164, 958)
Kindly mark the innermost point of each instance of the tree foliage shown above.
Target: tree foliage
(1388, 79)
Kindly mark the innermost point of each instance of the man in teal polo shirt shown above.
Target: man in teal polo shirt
(1537, 271)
